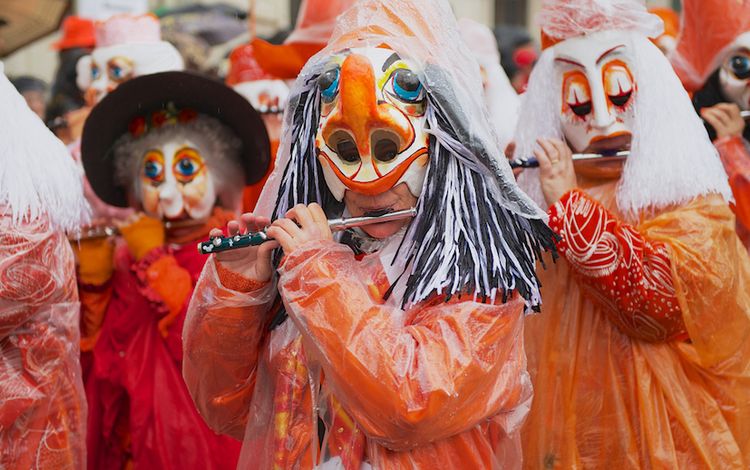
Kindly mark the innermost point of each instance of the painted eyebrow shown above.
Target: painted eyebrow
(390, 60)
(601, 57)
(569, 61)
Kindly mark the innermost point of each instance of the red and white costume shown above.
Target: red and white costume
(42, 404)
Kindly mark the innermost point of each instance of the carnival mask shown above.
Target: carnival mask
(734, 75)
(106, 73)
(108, 67)
(175, 182)
(597, 92)
(371, 135)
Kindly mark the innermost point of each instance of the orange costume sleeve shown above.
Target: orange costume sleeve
(626, 272)
(408, 378)
(222, 337)
(735, 156)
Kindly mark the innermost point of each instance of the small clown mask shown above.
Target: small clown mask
(597, 92)
(179, 164)
(371, 136)
(174, 181)
(107, 72)
(734, 75)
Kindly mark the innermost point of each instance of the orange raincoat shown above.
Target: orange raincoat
(443, 382)
(654, 370)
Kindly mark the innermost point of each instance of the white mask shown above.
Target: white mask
(108, 67)
(371, 135)
(597, 91)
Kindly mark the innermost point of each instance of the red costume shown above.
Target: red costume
(182, 167)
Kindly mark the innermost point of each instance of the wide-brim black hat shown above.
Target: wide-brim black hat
(144, 95)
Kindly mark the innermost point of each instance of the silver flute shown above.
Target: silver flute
(219, 244)
(533, 163)
(577, 157)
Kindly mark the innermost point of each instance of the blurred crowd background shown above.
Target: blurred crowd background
(41, 60)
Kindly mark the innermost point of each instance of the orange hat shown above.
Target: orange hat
(708, 27)
(311, 33)
(244, 67)
(77, 32)
(670, 18)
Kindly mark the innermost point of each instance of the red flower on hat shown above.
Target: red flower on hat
(137, 126)
(158, 119)
(186, 115)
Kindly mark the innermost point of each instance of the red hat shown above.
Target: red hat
(76, 32)
(708, 28)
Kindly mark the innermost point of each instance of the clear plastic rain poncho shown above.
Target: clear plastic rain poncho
(412, 355)
(42, 403)
(616, 384)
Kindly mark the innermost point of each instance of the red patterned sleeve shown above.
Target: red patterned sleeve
(630, 276)
(33, 271)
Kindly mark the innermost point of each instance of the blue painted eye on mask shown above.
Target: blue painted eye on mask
(152, 170)
(405, 86)
(740, 66)
(187, 167)
(328, 82)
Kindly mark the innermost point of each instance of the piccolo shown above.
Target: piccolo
(577, 157)
(219, 244)
(106, 231)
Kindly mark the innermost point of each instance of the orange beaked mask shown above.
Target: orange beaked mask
(371, 136)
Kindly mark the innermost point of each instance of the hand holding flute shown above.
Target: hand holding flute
(726, 119)
(302, 224)
(253, 262)
(240, 250)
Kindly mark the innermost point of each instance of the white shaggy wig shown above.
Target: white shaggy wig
(219, 146)
(38, 177)
(672, 159)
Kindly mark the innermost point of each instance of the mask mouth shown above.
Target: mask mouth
(610, 145)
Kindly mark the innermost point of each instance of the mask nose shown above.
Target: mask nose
(167, 194)
(360, 126)
(92, 96)
(603, 117)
